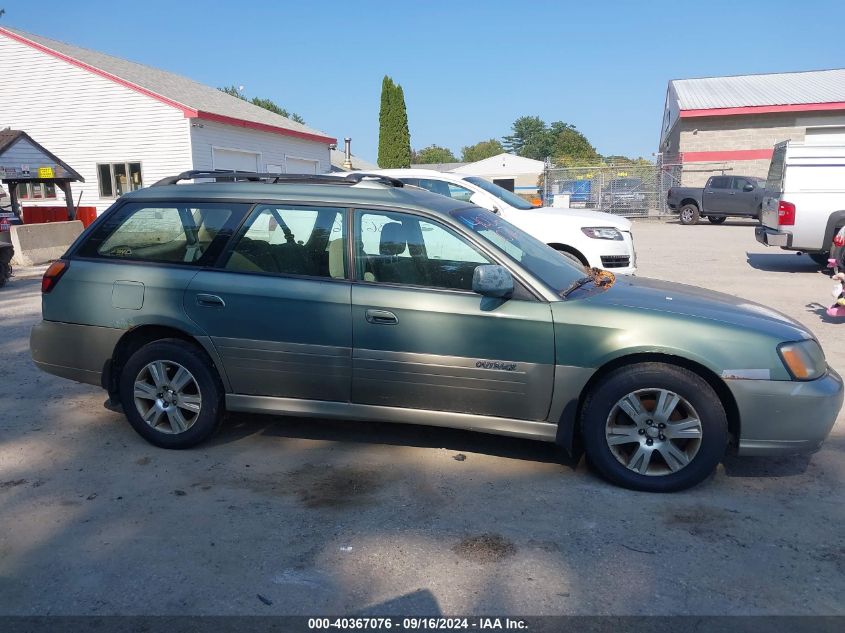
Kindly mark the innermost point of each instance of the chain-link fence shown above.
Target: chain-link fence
(633, 190)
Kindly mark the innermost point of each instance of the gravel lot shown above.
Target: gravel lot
(290, 516)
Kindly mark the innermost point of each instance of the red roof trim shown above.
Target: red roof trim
(733, 154)
(768, 109)
(102, 73)
(189, 113)
(263, 127)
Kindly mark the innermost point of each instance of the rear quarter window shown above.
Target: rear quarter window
(187, 233)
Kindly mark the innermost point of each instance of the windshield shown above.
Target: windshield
(504, 195)
(542, 261)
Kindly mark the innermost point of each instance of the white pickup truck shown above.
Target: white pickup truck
(804, 203)
(591, 238)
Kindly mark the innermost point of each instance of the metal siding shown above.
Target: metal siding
(273, 148)
(85, 119)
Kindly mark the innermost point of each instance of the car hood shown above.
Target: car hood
(690, 301)
(584, 217)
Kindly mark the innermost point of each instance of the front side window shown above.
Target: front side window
(739, 183)
(542, 261)
(292, 240)
(118, 178)
(400, 248)
(164, 233)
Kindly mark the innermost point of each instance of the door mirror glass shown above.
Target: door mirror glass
(492, 281)
(748, 187)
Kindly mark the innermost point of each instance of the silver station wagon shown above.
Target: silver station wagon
(363, 299)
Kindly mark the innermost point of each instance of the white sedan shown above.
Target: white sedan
(594, 239)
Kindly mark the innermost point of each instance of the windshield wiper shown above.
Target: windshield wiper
(578, 283)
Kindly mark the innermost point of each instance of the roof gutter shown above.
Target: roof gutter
(765, 109)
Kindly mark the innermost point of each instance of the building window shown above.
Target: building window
(37, 191)
(118, 178)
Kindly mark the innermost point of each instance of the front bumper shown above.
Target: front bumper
(771, 237)
(77, 352)
(782, 417)
(617, 256)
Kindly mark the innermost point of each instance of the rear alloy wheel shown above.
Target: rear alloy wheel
(654, 427)
(688, 214)
(171, 394)
(716, 219)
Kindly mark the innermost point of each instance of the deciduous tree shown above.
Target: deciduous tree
(433, 154)
(481, 150)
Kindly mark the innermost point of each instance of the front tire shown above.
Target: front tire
(171, 394)
(654, 427)
(716, 219)
(688, 214)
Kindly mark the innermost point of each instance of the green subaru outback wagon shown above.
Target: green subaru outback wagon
(362, 299)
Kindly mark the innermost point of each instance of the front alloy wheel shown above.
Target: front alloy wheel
(654, 426)
(653, 432)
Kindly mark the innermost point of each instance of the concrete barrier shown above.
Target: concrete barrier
(41, 243)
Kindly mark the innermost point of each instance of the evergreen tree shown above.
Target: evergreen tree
(394, 139)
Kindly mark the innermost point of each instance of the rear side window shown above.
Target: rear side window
(193, 233)
(292, 240)
(720, 182)
(774, 181)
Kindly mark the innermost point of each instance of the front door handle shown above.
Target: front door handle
(210, 301)
(381, 317)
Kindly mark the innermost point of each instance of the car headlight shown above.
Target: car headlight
(602, 233)
(803, 359)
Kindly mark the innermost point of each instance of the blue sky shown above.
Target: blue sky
(468, 68)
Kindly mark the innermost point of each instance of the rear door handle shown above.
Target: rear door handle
(210, 301)
(381, 317)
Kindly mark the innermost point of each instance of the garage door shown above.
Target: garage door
(825, 135)
(238, 160)
(301, 165)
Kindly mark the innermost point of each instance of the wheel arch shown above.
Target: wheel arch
(834, 222)
(569, 433)
(135, 338)
(691, 201)
(569, 249)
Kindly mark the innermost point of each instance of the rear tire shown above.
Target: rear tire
(716, 219)
(631, 440)
(688, 214)
(171, 394)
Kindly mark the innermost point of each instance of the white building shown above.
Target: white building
(514, 173)
(123, 125)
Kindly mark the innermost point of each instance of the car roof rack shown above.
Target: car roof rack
(227, 175)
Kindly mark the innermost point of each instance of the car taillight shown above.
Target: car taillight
(839, 240)
(786, 213)
(52, 275)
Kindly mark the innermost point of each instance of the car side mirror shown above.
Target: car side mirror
(490, 280)
(480, 200)
(748, 187)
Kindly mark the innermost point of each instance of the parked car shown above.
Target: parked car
(176, 304)
(722, 197)
(805, 203)
(624, 194)
(580, 191)
(590, 238)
